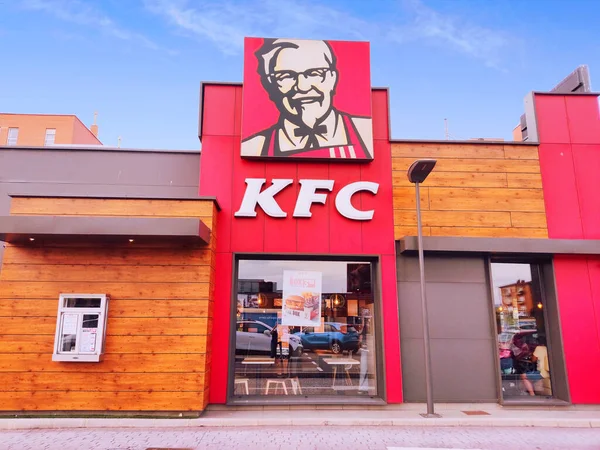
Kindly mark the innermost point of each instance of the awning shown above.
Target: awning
(443, 244)
(17, 229)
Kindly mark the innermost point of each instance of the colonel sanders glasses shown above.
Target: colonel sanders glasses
(287, 79)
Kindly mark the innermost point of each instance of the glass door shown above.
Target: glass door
(522, 342)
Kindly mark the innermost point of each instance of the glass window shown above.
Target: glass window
(522, 346)
(81, 328)
(13, 136)
(304, 328)
(50, 136)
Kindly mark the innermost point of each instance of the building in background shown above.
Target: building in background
(42, 130)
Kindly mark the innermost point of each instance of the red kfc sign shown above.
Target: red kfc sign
(307, 99)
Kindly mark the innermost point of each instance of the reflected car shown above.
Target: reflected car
(255, 336)
(336, 337)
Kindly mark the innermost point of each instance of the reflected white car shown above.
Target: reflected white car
(255, 336)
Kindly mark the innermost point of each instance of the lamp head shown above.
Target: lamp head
(420, 169)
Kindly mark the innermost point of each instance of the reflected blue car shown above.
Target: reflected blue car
(336, 337)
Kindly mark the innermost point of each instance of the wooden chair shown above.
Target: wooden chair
(276, 384)
(244, 383)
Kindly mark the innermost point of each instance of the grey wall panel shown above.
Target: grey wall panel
(463, 370)
(458, 310)
(97, 173)
(98, 167)
(463, 269)
(463, 344)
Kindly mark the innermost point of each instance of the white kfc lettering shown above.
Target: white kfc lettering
(265, 199)
(306, 197)
(343, 200)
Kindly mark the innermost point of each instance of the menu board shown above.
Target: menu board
(88, 340)
(301, 304)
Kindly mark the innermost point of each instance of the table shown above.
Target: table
(335, 362)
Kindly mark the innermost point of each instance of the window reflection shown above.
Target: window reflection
(522, 346)
(277, 356)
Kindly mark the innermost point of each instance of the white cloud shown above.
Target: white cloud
(80, 13)
(454, 32)
(225, 23)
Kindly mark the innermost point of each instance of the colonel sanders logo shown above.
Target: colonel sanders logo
(302, 80)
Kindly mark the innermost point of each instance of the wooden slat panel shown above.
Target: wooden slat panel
(111, 207)
(71, 272)
(404, 198)
(118, 326)
(401, 231)
(28, 325)
(524, 180)
(479, 199)
(153, 326)
(107, 256)
(23, 343)
(528, 220)
(117, 308)
(439, 150)
(474, 165)
(101, 401)
(101, 382)
(454, 179)
(125, 362)
(521, 152)
(158, 344)
(490, 232)
(453, 218)
(48, 289)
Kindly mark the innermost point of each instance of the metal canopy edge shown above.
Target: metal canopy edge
(14, 229)
(408, 244)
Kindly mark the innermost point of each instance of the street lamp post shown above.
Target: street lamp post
(417, 173)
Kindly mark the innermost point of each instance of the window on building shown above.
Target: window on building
(522, 338)
(305, 328)
(50, 136)
(80, 328)
(13, 135)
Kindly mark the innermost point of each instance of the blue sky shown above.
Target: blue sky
(139, 63)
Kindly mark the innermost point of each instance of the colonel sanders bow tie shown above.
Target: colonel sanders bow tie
(311, 134)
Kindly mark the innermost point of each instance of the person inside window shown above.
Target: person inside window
(542, 372)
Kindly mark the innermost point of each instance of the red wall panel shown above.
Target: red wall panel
(313, 234)
(560, 192)
(391, 331)
(280, 234)
(219, 110)
(586, 159)
(579, 327)
(583, 120)
(247, 233)
(220, 330)
(551, 112)
(376, 237)
(345, 235)
(216, 175)
(223, 174)
(569, 134)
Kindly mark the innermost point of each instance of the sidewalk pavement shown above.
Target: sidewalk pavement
(453, 415)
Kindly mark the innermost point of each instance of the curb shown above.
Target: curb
(71, 423)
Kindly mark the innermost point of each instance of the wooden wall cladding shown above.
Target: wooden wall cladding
(158, 345)
(478, 190)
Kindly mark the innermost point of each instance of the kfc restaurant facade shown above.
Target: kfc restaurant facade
(292, 278)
